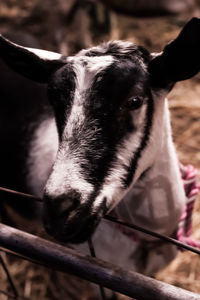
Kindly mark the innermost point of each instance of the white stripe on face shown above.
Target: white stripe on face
(67, 173)
(85, 68)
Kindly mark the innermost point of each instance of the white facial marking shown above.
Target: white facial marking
(85, 68)
(67, 173)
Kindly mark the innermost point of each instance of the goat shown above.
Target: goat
(108, 145)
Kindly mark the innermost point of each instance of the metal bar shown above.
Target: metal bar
(9, 277)
(67, 260)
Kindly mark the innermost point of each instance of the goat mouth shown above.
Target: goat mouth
(74, 231)
(73, 224)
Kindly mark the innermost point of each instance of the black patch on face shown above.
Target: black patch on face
(61, 89)
(107, 115)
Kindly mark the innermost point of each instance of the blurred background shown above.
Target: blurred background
(67, 26)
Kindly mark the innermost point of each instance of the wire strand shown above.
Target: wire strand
(154, 234)
(115, 220)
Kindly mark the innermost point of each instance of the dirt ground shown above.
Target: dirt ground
(36, 282)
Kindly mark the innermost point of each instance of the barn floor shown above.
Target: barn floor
(35, 282)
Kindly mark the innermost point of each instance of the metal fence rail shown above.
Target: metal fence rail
(49, 254)
(70, 261)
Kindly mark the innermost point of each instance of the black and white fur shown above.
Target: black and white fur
(109, 139)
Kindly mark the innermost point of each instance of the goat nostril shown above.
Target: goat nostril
(58, 210)
(55, 206)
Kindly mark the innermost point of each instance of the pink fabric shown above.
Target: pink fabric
(191, 186)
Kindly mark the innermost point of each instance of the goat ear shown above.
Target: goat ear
(32, 63)
(180, 59)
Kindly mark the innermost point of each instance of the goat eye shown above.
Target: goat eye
(134, 103)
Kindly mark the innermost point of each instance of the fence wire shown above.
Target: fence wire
(132, 226)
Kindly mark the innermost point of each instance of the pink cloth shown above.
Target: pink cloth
(191, 186)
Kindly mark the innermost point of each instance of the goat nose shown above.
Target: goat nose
(62, 202)
(56, 207)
